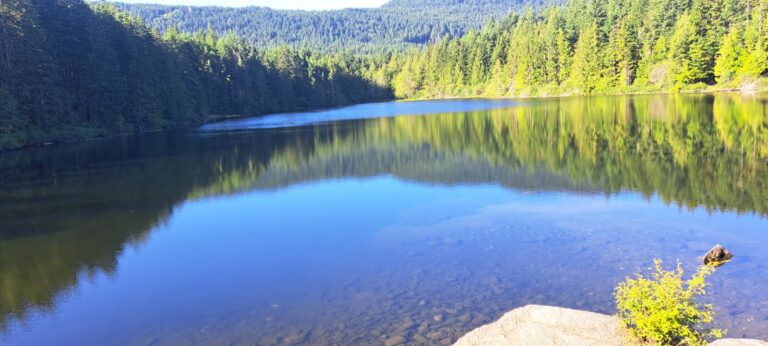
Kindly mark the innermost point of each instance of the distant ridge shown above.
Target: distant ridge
(397, 25)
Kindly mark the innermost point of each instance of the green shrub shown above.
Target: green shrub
(663, 309)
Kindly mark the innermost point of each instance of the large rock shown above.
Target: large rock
(739, 342)
(536, 325)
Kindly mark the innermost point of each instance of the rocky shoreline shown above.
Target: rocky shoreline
(537, 325)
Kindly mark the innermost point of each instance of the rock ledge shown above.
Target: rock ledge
(537, 325)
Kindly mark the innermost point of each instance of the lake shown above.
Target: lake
(350, 226)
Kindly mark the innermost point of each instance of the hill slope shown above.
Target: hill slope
(396, 25)
(597, 47)
(71, 71)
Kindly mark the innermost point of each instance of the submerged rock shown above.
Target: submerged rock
(395, 340)
(717, 256)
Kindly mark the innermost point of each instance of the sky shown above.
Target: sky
(281, 4)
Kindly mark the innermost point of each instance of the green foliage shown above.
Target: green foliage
(597, 47)
(68, 68)
(70, 71)
(584, 70)
(664, 309)
(728, 59)
(398, 25)
(9, 119)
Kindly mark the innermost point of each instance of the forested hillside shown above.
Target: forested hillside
(69, 71)
(395, 26)
(596, 46)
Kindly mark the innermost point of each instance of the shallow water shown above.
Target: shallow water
(355, 225)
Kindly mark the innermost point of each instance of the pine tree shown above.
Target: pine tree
(680, 55)
(584, 73)
(729, 58)
(563, 57)
(478, 67)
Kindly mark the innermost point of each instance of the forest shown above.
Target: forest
(596, 47)
(72, 71)
(398, 25)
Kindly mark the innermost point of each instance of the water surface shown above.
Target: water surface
(350, 226)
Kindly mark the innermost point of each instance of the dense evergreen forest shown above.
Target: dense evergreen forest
(70, 71)
(593, 47)
(395, 26)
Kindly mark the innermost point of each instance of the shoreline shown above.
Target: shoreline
(706, 91)
(210, 119)
(218, 118)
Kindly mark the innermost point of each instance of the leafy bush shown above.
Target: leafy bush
(663, 309)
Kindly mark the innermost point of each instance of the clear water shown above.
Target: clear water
(351, 226)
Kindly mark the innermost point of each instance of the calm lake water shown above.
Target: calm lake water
(351, 226)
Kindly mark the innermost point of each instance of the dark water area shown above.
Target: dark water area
(350, 226)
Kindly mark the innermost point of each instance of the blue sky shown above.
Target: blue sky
(283, 4)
